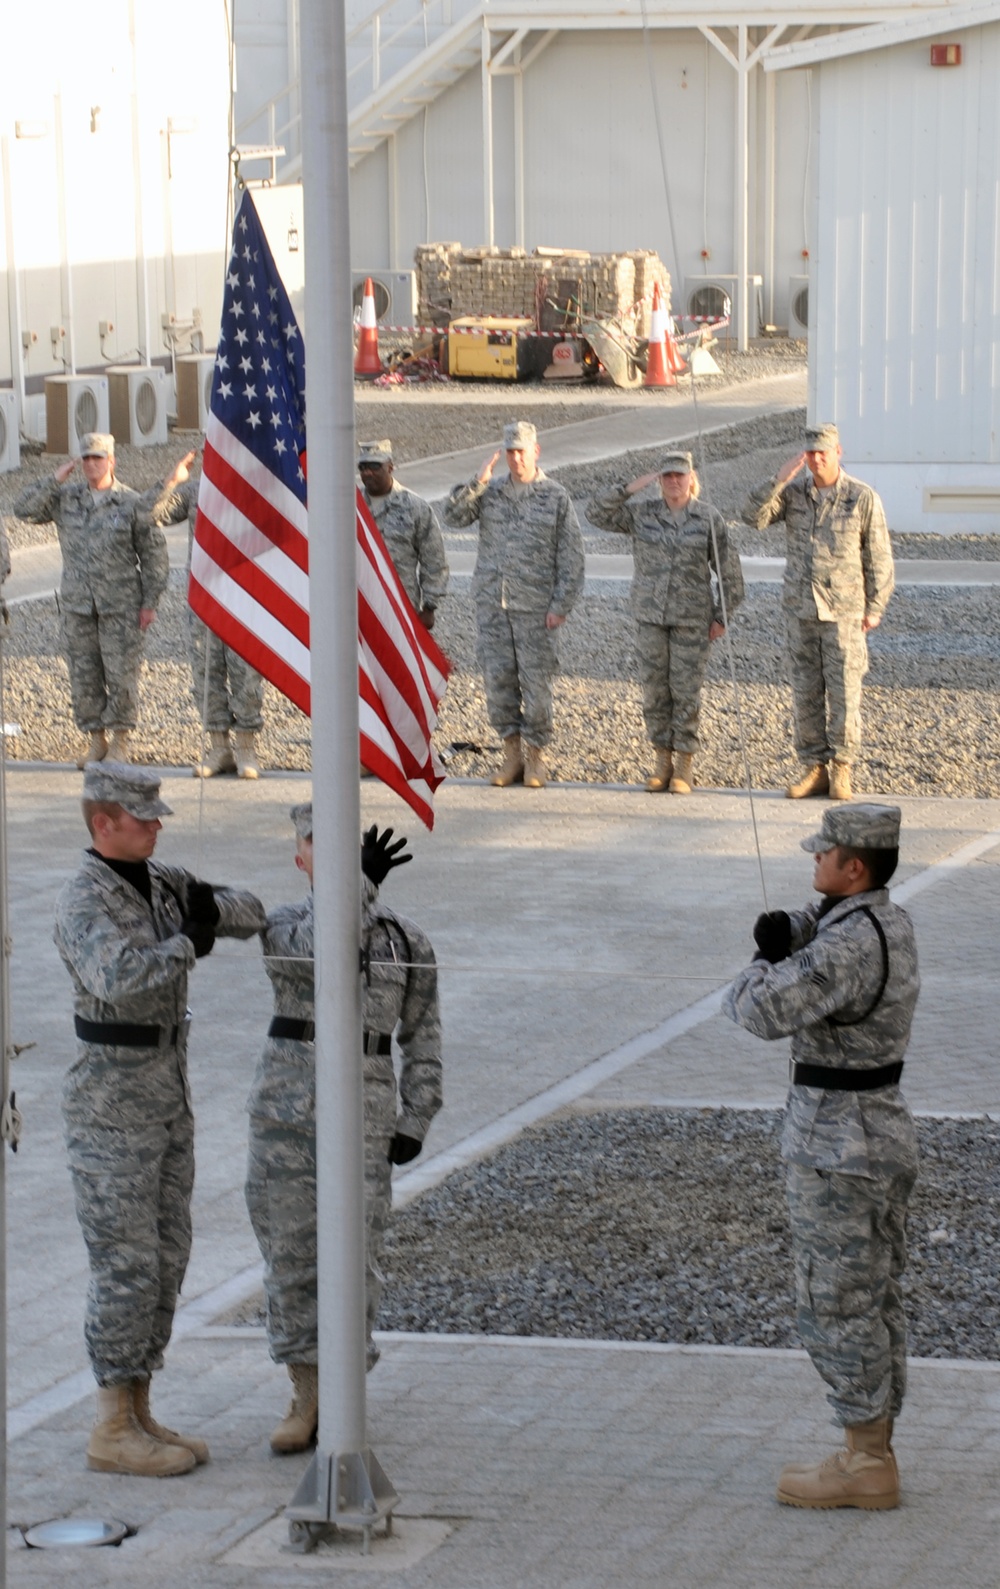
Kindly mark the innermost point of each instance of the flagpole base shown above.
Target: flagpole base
(339, 1491)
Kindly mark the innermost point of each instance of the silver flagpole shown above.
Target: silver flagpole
(344, 1485)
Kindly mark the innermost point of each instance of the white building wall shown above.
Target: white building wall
(905, 350)
(593, 173)
(113, 184)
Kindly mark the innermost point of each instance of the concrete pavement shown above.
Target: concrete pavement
(584, 934)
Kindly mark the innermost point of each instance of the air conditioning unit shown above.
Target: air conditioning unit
(138, 403)
(798, 306)
(10, 443)
(395, 295)
(195, 373)
(706, 297)
(74, 406)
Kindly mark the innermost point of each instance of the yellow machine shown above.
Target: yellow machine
(487, 347)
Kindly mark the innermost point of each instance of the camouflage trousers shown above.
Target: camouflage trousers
(133, 1201)
(235, 690)
(849, 1246)
(281, 1200)
(826, 664)
(672, 662)
(104, 655)
(519, 659)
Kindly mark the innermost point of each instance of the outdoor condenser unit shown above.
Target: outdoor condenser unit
(10, 443)
(138, 404)
(705, 296)
(798, 306)
(195, 372)
(74, 406)
(395, 294)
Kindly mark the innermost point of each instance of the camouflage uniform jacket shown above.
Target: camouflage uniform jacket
(822, 996)
(130, 964)
(530, 555)
(412, 534)
(114, 553)
(839, 558)
(401, 995)
(674, 562)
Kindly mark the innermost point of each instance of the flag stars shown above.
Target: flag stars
(225, 389)
(236, 308)
(291, 332)
(280, 445)
(242, 337)
(250, 392)
(246, 365)
(253, 419)
(276, 420)
(232, 280)
(221, 362)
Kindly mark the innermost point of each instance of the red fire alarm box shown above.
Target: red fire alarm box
(946, 55)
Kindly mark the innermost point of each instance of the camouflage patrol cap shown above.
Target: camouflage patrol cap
(519, 433)
(135, 789)
(375, 452)
(819, 437)
(302, 819)
(858, 827)
(676, 463)
(96, 445)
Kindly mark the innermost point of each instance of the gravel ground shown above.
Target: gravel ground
(931, 719)
(655, 1225)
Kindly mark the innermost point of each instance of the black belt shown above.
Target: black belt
(837, 1079)
(122, 1034)
(305, 1032)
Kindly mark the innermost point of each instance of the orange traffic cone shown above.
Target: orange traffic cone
(367, 363)
(658, 370)
(674, 357)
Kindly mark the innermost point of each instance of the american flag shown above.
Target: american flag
(250, 558)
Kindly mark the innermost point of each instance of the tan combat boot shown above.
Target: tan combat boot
(535, 774)
(840, 780)
(662, 770)
(297, 1429)
(683, 776)
(118, 1444)
(118, 745)
(862, 1474)
(220, 756)
(816, 781)
(96, 750)
(244, 741)
(144, 1418)
(512, 770)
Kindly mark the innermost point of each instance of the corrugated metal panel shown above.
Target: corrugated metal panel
(908, 227)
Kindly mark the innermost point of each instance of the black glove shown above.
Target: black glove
(378, 856)
(403, 1149)
(201, 904)
(200, 934)
(772, 933)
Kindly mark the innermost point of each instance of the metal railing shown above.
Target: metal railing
(392, 36)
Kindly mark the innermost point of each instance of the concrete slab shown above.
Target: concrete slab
(584, 935)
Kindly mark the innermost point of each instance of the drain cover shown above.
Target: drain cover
(62, 1531)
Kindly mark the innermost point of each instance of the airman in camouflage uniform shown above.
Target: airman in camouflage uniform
(685, 585)
(841, 979)
(838, 581)
(409, 527)
(227, 692)
(129, 929)
(399, 994)
(529, 573)
(115, 570)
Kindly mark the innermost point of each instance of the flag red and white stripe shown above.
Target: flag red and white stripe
(250, 557)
